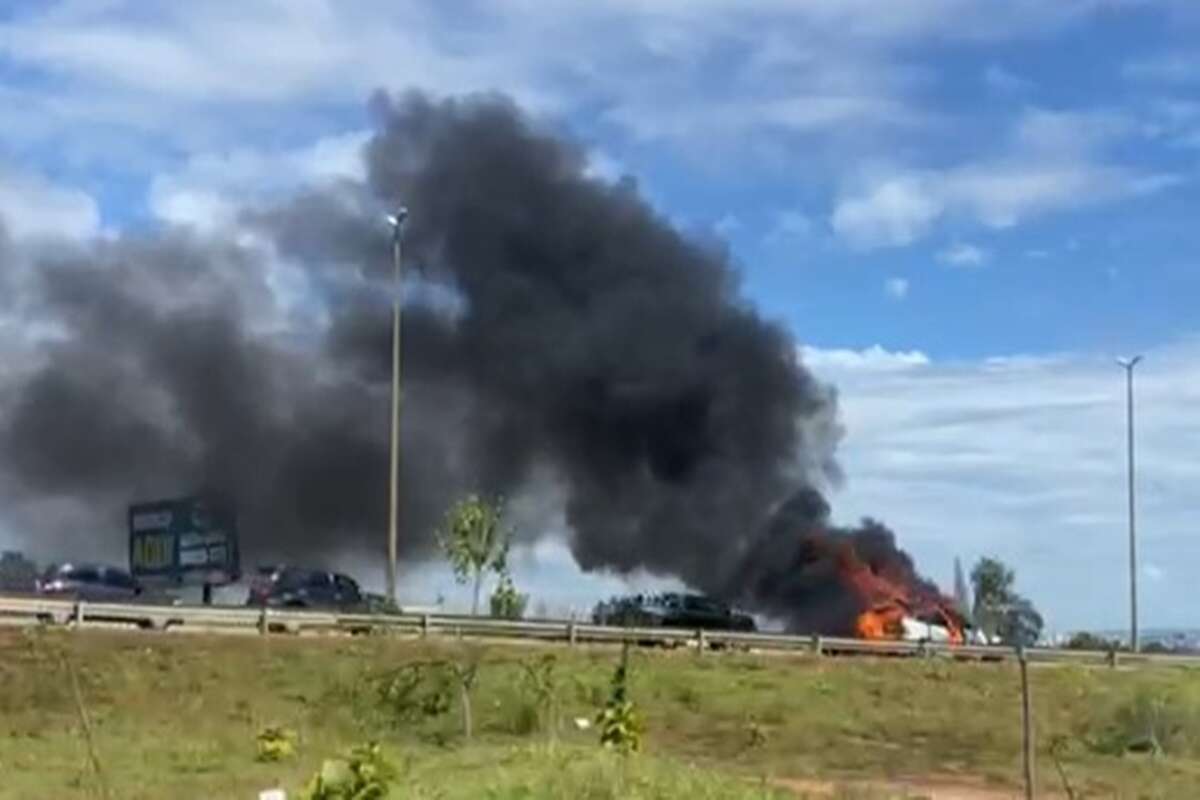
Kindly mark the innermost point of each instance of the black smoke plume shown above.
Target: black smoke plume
(558, 330)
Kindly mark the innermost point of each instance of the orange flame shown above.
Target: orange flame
(888, 599)
(884, 622)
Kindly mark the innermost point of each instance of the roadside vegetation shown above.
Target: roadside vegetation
(139, 715)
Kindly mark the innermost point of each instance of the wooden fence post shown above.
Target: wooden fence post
(424, 626)
(1026, 723)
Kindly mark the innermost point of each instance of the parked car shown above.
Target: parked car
(96, 583)
(295, 587)
(101, 583)
(673, 610)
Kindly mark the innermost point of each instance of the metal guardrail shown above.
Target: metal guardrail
(79, 614)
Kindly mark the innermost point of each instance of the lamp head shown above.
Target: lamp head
(1129, 363)
(397, 219)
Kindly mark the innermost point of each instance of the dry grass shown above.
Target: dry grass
(176, 716)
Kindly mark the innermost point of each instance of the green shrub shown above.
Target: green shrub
(1157, 722)
(506, 602)
(275, 743)
(415, 691)
(363, 774)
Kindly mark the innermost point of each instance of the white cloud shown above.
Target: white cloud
(209, 189)
(1001, 80)
(1180, 67)
(32, 206)
(788, 227)
(896, 288)
(1023, 457)
(896, 211)
(1053, 162)
(543, 568)
(692, 72)
(872, 359)
(602, 166)
(962, 254)
(728, 225)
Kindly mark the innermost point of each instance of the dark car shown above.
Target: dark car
(673, 610)
(294, 587)
(96, 583)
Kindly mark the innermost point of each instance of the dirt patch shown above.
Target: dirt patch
(927, 788)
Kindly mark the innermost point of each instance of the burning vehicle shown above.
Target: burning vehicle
(817, 577)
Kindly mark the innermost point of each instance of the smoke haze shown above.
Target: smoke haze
(556, 330)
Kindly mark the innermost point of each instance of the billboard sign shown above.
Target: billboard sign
(188, 540)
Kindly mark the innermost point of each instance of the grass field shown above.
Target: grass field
(176, 716)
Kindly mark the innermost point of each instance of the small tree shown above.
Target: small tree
(992, 581)
(474, 541)
(620, 723)
(540, 681)
(506, 601)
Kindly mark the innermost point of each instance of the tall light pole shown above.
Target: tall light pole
(396, 220)
(1128, 364)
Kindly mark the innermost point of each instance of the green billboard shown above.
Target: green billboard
(186, 540)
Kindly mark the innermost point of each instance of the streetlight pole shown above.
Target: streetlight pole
(1128, 364)
(396, 220)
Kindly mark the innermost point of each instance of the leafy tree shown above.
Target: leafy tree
(992, 582)
(475, 542)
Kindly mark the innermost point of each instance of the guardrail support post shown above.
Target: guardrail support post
(424, 626)
(263, 627)
(572, 634)
(701, 642)
(77, 613)
(816, 644)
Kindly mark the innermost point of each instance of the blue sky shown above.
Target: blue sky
(962, 208)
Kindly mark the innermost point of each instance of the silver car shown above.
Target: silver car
(101, 583)
(95, 583)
